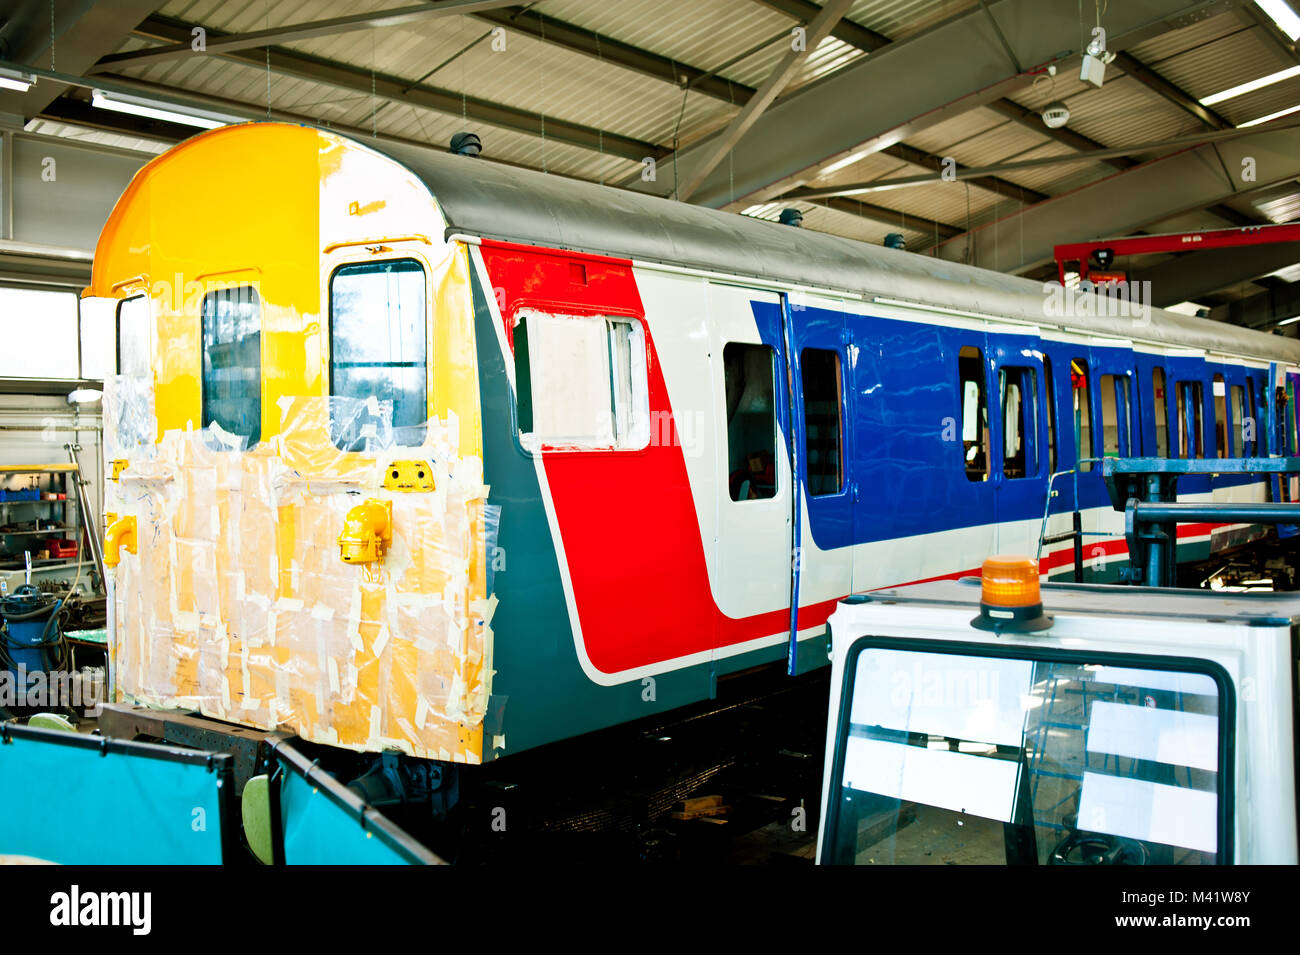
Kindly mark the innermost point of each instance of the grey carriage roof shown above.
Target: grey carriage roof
(490, 200)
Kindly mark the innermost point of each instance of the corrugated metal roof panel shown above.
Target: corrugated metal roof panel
(1280, 209)
(900, 19)
(959, 129)
(45, 127)
(1227, 62)
(1124, 113)
(1177, 41)
(1262, 102)
(1002, 143)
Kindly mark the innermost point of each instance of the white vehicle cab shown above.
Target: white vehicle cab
(1102, 725)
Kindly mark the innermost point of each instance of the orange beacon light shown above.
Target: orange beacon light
(1009, 596)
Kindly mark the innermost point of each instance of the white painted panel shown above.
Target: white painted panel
(754, 536)
(676, 313)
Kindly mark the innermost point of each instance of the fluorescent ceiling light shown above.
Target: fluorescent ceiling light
(139, 106)
(1250, 87)
(1288, 321)
(1271, 116)
(848, 160)
(13, 80)
(1280, 13)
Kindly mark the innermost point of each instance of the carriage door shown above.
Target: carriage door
(820, 350)
(752, 576)
(1019, 440)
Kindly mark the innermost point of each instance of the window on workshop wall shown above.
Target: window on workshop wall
(41, 334)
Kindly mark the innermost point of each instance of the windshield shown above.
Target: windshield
(1047, 758)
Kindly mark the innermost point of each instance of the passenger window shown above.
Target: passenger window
(134, 341)
(1019, 393)
(1252, 429)
(1051, 415)
(1114, 415)
(974, 413)
(751, 421)
(1290, 411)
(580, 382)
(379, 344)
(1237, 433)
(1220, 416)
(232, 361)
(1161, 406)
(823, 402)
(1082, 414)
(1190, 428)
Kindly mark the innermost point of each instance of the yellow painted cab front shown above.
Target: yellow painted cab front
(292, 329)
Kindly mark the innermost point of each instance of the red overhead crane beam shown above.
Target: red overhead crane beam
(1082, 252)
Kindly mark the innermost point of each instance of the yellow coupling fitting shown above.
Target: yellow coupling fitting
(120, 533)
(367, 532)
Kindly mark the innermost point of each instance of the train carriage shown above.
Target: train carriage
(662, 440)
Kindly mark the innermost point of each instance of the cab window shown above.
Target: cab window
(134, 341)
(379, 344)
(232, 361)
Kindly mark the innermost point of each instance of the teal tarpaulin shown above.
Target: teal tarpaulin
(325, 823)
(79, 799)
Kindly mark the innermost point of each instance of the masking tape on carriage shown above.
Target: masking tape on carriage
(238, 605)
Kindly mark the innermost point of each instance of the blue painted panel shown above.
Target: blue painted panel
(74, 805)
(903, 387)
(907, 423)
(318, 831)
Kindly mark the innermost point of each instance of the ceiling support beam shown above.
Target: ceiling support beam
(893, 217)
(870, 41)
(818, 30)
(1263, 311)
(300, 31)
(99, 30)
(1197, 274)
(866, 106)
(608, 50)
(846, 30)
(974, 174)
(397, 90)
(1169, 91)
(1128, 201)
(1063, 134)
